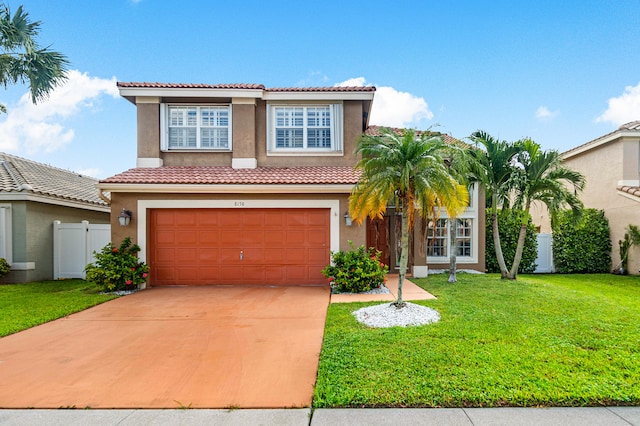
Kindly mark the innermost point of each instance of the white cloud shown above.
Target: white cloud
(544, 114)
(40, 128)
(624, 108)
(393, 108)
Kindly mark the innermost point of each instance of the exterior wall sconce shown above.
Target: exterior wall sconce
(124, 217)
(347, 218)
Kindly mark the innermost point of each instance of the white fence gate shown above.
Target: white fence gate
(73, 247)
(545, 254)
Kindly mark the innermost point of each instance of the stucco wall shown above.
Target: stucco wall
(604, 167)
(32, 239)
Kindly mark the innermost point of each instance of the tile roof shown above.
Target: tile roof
(219, 175)
(633, 126)
(632, 190)
(189, 86)
(377, 131)
(20, 176)
(243, 86)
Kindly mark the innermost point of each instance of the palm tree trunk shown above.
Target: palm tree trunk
(453, 247)
(519, 249)
(504, 273)
(404, 254)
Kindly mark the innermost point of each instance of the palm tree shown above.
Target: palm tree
(22, 60)
(493, 167)
(541, 177)
(406, 168)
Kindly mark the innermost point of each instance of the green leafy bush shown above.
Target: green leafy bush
(581, 245)
(4, 267)
(356, 270)
(118, 268)
(509, 222)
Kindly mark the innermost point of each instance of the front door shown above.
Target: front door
(384, 235)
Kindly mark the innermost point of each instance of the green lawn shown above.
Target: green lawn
(544, 340)
(26, 305)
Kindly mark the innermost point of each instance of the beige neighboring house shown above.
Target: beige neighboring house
(244, 184)
(611, 165)
(32, 197)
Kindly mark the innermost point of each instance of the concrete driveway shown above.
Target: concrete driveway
(172, 347)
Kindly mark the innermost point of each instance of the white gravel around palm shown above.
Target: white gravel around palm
(387, 315)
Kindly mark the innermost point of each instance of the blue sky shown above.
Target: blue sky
(562, 73)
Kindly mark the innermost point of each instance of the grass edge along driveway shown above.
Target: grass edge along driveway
(29, 304)
(543, 340)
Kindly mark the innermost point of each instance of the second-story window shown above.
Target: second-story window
(305, 128)
(191, 127)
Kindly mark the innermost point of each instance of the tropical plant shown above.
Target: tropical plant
(118, 268)
(356, 270)
(493, 167)
(542, 177)
(631, 238)
(5, 268)
(581, 244)
(510, 223)
(22, 60)
(407, 169)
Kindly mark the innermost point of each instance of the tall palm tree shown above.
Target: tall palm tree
(493, 167)
(22, 60)
(542, 177)
(405, 168)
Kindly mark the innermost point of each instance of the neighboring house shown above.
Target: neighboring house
(611, 165)
(241, 184)
(32, 197)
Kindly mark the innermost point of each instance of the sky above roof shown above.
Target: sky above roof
(562, 73)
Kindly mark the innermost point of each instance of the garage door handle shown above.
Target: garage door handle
(241, 255)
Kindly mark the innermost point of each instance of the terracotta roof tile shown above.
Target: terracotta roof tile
(156, 85)
(188, 86)
(377, 131)
(19, 176)
(323, 89)
(215, 175)
(632, 190)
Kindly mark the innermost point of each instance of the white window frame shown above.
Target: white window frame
(6, 233)
(164, 127)
(335, 127)
(471, 212)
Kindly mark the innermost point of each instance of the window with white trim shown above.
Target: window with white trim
(305, 128)
(439, 241)
(196, 127)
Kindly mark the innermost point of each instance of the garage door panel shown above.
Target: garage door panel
(202, 246)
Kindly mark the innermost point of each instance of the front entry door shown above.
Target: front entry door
(384, 235)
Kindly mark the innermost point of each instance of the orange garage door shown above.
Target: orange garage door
(238, 246)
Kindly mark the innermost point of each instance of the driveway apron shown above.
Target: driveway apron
(172, 347)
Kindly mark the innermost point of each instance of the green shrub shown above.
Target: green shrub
(356, 270)
(118, 268)
(4, 267)
(581, 245)
(509, 222)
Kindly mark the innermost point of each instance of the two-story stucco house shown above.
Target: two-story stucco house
(611, 166)
(242, 184)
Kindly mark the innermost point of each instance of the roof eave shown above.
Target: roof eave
(228, 188)
(599, 142)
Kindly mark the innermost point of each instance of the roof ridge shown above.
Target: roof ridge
(18, 179)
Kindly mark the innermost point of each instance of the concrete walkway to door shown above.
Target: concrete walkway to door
(172, 347)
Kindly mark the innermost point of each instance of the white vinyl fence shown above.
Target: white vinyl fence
(545, 254)
(73, 247)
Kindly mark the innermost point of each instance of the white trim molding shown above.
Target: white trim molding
(149, 163)
(23, 266)
(144, 205)
(244, 163)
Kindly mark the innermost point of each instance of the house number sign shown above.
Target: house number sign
(238, 203)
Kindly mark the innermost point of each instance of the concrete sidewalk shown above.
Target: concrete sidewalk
(588, 416)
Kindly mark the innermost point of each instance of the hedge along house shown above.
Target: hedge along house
(611, 166)
(32, 197)
(241, 184)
